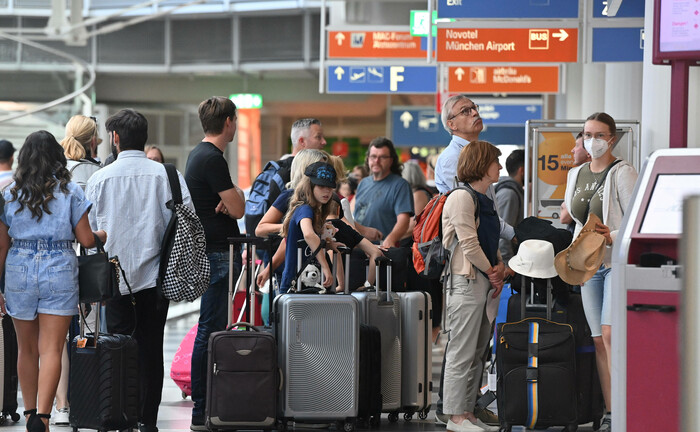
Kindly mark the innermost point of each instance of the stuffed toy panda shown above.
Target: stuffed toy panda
(311, 278)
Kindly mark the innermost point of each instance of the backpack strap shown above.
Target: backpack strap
(174, 183)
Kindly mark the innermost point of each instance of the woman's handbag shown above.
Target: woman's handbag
(98, 275)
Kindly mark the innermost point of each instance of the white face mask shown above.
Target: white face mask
(595, 147)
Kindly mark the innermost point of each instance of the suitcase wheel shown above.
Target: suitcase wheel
(393, 417)
(375, 421)
(14, 417)
(506, 428)
(184, 395)
(349, 426)
(423, 414)
(408, 416)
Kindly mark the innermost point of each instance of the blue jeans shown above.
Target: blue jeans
(213, 314)
(595, 295)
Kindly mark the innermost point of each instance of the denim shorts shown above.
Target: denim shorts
(41, 277)
(596, 294)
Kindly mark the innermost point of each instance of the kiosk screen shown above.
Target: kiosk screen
(664, 213)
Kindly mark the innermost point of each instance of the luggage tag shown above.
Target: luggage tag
(81, 343)
(492, 377)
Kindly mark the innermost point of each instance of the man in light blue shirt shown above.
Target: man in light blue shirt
(129, 200)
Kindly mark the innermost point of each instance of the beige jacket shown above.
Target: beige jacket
(458, 218)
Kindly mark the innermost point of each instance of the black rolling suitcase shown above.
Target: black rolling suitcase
(567, 309)
(8, 371)
(536, 367)
(242, 373)
(104, 376)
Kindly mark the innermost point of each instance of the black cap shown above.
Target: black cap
(321, 174)
(6, 149)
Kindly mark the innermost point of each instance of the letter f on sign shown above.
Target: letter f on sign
(395, 77)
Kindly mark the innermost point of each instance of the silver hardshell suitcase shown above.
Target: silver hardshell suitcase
(318, 345)
(383, 310)
(417, 354)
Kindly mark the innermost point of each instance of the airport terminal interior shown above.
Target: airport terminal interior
(368, 68)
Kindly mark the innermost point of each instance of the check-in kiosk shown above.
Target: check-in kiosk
(646, 295)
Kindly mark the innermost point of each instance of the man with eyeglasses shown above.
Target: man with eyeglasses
(460, 117)
(384, 200)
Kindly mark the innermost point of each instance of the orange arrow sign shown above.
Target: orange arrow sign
(507, 45)
(374, 44)
(503, 79)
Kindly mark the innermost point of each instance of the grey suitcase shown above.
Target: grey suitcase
(383, 310)
(318, 349)
(417, 354)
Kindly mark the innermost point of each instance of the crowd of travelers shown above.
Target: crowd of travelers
(61, 196)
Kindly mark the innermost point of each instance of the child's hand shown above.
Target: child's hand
(327, 277)
(263, 276)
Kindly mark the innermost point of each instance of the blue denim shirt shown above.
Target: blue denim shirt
(446, 166)
(130, 197)
(66, 211)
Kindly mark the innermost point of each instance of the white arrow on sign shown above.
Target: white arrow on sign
(460, 73)
(339, 37)
(406, 118)
(562, 35)
(531, 108)
(339, 72)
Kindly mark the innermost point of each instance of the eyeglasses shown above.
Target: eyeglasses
(94, 119)
(375, 157)
(599, 135)
(466, 111)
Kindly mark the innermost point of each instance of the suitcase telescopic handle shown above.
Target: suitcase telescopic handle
(247, 325)
(389, 269)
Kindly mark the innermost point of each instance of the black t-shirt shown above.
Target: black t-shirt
(206, 175)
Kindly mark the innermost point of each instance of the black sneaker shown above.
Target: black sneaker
(198, 424)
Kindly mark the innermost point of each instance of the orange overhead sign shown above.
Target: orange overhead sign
(503, 79)
(374, 44)
(554, 45)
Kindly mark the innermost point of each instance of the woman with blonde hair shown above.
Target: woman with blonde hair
(79, 146)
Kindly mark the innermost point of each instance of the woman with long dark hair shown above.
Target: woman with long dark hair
(43, 213)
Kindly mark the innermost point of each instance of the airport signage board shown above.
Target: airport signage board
(507, 9)
(374, 44)
(503, 79)
(418, 127)
(381, 79)
(509, 114)
(626, 9)
(496, 45)
(618, 44)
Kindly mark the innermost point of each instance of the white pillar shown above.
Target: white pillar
(693, 110)
(592, 89)
(623, 90)
(568, 105)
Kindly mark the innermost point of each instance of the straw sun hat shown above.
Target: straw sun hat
(582, 259)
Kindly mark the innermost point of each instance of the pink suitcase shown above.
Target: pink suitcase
(181, 368)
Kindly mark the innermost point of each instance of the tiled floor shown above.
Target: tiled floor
(175, 411)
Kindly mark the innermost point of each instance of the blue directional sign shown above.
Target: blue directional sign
(508, 9)
(618, 44)
(418, 127)
(423, 127)
(509, 115)
(382, 79)
(628, 9)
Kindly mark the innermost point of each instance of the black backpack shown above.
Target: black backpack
(265, 190)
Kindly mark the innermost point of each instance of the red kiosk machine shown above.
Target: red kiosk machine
(646, 295)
